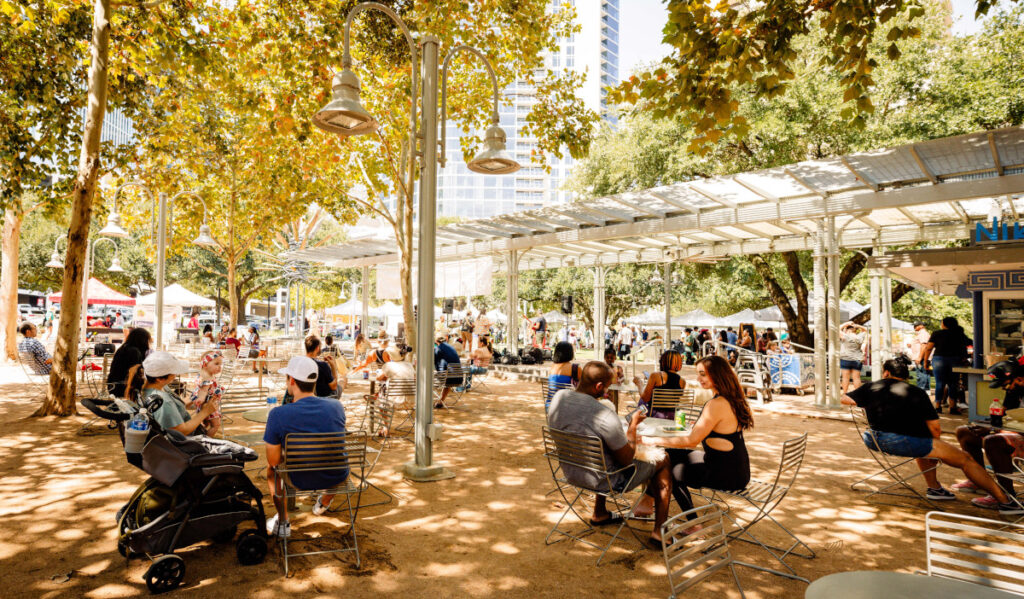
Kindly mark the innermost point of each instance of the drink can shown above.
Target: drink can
(680, 417)
(366, 374)
(271, 401)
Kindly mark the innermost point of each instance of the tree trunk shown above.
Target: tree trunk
(60, 399)
(796, 320)
(852, 268)
(9, 279)
(232, 290)
(898, 292)
(405, 277)
(792, 261)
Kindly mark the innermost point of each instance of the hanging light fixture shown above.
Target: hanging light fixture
(113, 228)
(55, 261)
(345, 114)
(204, 239)
(494, 160)
(115, 265)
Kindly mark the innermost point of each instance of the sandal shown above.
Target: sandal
(606, 521)
(656, 544)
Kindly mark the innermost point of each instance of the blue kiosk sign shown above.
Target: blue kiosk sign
(1000, 231)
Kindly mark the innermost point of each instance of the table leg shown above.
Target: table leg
(614, 396)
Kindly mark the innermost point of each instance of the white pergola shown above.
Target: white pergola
(923, 192)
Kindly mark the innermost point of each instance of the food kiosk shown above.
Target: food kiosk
(990, 272)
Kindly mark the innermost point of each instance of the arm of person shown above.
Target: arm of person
(369, 360)
(273, 455)
(925, 352)
(648, 391)
(624, 455)
(846, 400)
(190, 425)
(707, 422)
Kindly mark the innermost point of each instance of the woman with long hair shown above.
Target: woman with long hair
(667, 377)
(723, 462)
(132, 352)
(562, 373)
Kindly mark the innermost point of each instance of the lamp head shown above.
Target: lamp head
(345, 114)
(55, 261)
(113, 228)
(204, 239)
(115, 265)
(493, 160)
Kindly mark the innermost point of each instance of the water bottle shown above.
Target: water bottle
(995, 414)
(136, 432)
(271, 401)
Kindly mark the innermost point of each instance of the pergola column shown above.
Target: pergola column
(820, 328)
(668, 305)
(876, 318)
(833, 314)
(886, 315)
(512, 294)
(366, 302)
(599, 315)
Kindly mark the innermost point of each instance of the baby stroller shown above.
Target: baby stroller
(197, 490)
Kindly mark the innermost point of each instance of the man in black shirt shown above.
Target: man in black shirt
(905, 424)
(998, 445)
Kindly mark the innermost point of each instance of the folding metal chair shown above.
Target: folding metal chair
(325, 452)
(474, 382)
(665, 401)
(401, 394)
(378, 420)
(692, 558)
(763, 497)
(892, 466)
(454, 378)
(38, 383)
(586, 453)
(975, 550)
(548, 390)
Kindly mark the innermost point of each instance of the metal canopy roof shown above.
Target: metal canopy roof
(928, 191)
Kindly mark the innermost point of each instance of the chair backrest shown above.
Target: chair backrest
(975, 550)
(792, 458)
(28, 363)
(548, 389)
(583, 452)
(1018, 463)
(400, 388)
(690, 558)
(455, 371)
(320, 452)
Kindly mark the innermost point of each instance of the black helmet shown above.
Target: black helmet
(1003, 372)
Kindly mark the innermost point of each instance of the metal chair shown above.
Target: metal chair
(692, 558)
(401, 394)
(975, 550)
(548, 390)
(892, 466)
(586, 454)
(380, 414)
(763, 497)
(38, 383)
(474, 382)
(665, 401)
(454, 378)
(325, 452)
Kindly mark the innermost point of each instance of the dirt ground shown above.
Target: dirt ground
(480, 534)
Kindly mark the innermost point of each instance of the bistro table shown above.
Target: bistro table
(257, 415)
(872, 584)
(613, 392)
(269, 365)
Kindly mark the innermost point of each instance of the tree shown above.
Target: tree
(728, 54)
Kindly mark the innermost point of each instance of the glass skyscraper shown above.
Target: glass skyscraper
(594, 50)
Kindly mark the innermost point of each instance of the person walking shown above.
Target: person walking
(851, 354)
(946, 348)
(921, 377)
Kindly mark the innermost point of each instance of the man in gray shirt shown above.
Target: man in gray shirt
(578, 411)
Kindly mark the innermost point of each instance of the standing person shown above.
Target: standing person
(119, 320)
(326, 378)
(762, 343)
(48, 321)
(253, 339)
(731, 336)
(193, 321)
(905, 424)
(131, 353)
(35, 355)
(947, 348)
(360, 348)
(207, 390)
(851, 353)
(578, 411)
(466, 331)
(723, 463)
(689, 343)
(746, 342)
(306, 414)
(540, 330)
(625, 341)
(481, 328)
(921, 377)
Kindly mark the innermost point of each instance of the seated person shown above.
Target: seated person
(444, 355)
(379, 357)
(724, 463)
(35, 356)
(306, 414)
(481, 357)
(131, 353)
(398, 369)
(578, 411)
(562, 372)
(667, 377)
(329, 348)
(162, 369)
(326, 381)
(609, 358)
(906, 424)
(1000, 446)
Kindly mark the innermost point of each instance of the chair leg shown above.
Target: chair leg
(742, 531)
(898, 481)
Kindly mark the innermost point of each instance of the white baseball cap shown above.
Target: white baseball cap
(301, 368)
(160, 364)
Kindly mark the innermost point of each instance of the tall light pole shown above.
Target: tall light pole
(346, 116)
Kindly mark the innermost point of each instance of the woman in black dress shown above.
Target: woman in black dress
(723, 462)
(133, 351)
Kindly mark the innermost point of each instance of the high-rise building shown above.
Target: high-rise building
(594, 51)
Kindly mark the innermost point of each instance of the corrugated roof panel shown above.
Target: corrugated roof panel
(956, 155)
(887, 166)
(1010, 144)
(826, 176)
(775, 183)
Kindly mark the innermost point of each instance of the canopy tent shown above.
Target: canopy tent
(352, 306)
(847, 310)
(735, 320)
(496, 315)
(98, 293)
(698, 318)
(387, 310)
(176, 295)
(650, 317)
(555, 317)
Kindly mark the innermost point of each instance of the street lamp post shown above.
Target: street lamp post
(346, 116)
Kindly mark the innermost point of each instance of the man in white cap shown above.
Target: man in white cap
(161, 369)
(306, 414)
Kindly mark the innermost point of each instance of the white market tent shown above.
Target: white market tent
(352, 306)
(496, 315)
(697, 318)
(176, 295)
(935, 190)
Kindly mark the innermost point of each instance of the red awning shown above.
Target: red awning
(98, 293)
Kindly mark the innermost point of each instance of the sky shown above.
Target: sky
(642, 20)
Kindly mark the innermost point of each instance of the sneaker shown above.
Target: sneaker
(279, 529)
(988, 502)
(1010, 508)
(966, 487)
(319, 508)
(940, 494)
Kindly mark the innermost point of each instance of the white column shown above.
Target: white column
(599, 326)
(366, 301)
(512, 295)
(668, 305)
(833, 314)
(161, 258)
(886, 347)
(876, 329)
(820, 329)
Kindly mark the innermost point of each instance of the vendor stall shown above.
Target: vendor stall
(991, 274)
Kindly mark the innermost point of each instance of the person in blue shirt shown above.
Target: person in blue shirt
(444, 355)
(306, 414)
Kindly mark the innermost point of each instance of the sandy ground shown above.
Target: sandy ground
(480, 534)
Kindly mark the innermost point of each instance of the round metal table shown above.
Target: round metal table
(870, 584)
(257, 415)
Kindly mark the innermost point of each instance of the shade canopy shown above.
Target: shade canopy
(176, 295)
(352, 306)
(698, 318)
(98, 293)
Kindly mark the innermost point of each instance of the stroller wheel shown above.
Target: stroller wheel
(225, 536)
(165, 574)
(251, 548)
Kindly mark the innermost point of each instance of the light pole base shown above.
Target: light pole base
(426, 474)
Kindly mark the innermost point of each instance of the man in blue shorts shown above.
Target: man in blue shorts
(905, 424)
(306, 414)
